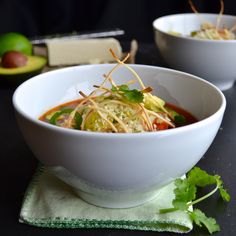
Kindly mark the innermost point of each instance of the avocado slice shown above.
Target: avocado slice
(15, 76)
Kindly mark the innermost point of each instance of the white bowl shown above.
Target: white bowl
(211, 60)
(118, 170)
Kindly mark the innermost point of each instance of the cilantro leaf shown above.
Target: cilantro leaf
(78, 120)
(200, 177)
(223, 193)
(124, 87)
(179, 119)
(133, 96)
(53, 119)
(199, 218)
(184, 193)
(113, 88)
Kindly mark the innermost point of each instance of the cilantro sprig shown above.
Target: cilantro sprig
(185, 196)
(130, 95)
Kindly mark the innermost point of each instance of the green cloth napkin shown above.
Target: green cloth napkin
(49, 202)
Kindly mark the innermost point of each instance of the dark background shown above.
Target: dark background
(34, 17)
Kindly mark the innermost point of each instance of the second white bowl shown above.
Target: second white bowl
(213, 60)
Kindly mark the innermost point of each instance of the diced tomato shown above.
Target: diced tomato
(160, 126)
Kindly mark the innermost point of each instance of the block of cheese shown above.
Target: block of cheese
(84, 51)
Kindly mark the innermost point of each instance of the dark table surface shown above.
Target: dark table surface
(18, 164)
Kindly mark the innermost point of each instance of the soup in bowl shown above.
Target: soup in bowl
(118, 169)
(184, 47)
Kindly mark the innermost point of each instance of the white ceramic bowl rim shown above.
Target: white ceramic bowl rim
(156, 21)
(199, 123)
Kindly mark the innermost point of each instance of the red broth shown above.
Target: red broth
(189, 118)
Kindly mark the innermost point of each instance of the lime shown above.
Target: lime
(14, 42)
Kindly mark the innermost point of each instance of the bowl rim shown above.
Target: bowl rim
(188, 38)
(198, 124)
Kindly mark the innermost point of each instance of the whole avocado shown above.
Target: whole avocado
(14, 41)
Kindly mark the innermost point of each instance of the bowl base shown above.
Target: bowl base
(116, 201)
(107, 198)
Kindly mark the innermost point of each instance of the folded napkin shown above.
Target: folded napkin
(49, 202)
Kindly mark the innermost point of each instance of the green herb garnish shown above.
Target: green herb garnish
(179, 119)
(133, 96)
(130, 95)
(124, 88)
(54, 118)
(66, 110)
(185, 196)
(114, 89)
(78, 120)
